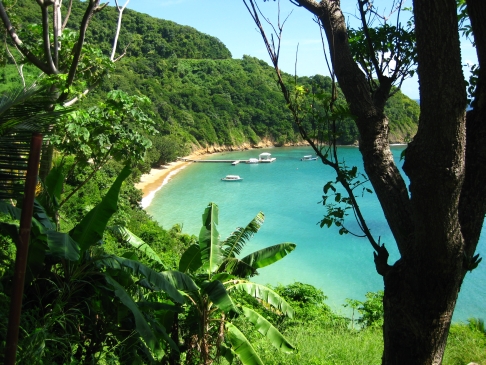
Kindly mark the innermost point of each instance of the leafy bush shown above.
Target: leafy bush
(371, 309)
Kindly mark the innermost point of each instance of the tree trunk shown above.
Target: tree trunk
(436, 222)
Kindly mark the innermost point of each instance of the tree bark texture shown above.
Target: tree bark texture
(436, 222)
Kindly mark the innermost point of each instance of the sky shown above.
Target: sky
(230, 22)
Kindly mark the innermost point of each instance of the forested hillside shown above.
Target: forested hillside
(201, 97)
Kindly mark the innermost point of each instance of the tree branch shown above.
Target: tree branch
(88, 14)
(18, 42)
(118, 26)
(46, 41)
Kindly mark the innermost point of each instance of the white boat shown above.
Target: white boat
(232, 178)
(308, 158)
(252, 160)
(265, 157)
(234, 163)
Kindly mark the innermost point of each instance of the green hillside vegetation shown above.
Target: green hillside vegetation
(201, 97)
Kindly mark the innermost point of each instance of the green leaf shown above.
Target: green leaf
(235, 242)
(168, 281)
(268, 255)
(136, 242)
(268, 330)
(141, 324)
(62, 245)
(219, 296)
(42, 217)
(191, 259)
(90, 230)
(241, 346)
(264, 293)
(10, 210)
(210, 246)
(54, 183)
(236, 268)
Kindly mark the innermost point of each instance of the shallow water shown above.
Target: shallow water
(289, 192)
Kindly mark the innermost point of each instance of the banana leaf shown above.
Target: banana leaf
(265, 294)
(141, 324)
(263, 326)
(237, 267)
(136, 242)
(219, 296)
(268, 255)
(53, 185)
(241, 346)
(237, 240)
(90, 230)
(191, 259)
(41, 215)
(61, 245)
(169, 282)
(10, 210)
(210, 246)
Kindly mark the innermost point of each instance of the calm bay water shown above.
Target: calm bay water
(289, 191)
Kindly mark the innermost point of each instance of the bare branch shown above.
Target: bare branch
(118, 27)
(68, 14)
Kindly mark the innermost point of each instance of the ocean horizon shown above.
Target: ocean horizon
(289, 193)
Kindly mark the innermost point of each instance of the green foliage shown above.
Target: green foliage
(211, 328)
(466, 343)
(371, 309)
(115, 128)
(337, 203)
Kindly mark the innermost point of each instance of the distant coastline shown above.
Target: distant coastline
(152, 182)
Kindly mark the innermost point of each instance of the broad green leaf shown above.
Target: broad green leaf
(10, 210)
(136, 242)
(62, 245)
(41, 215)
(90, 230)
(219, 296)
(12, 230)
(54, 183)
(268, 255)
(226, 352)
(237, 268)
(168, 281)
(191, 259)
(268, 330)
(141, 324)
(265, 294)
(235, 242)
(210, 246)
(241, 346)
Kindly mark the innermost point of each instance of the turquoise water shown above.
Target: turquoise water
(289, 191)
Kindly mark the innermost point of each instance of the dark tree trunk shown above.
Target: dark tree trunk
(437, 221)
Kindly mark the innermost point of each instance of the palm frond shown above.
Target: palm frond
(22, 112)
(237, 240)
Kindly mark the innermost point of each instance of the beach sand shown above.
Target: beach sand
(153, 181)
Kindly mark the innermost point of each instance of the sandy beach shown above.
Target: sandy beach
(153, 181)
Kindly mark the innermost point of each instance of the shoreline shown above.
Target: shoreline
(158, 177)
(152, 182)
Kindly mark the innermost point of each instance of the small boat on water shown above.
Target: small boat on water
(232, 178)
(234, 163)
(266, 157)
(252, 160)
(308, 158)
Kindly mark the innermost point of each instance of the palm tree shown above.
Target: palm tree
(210, 330)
